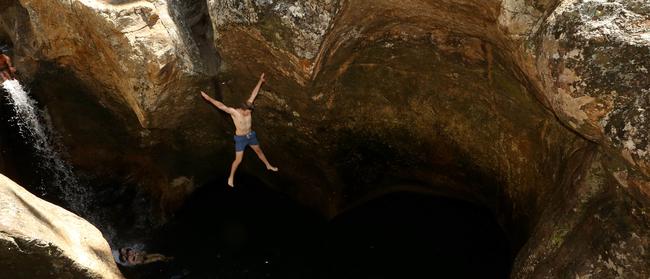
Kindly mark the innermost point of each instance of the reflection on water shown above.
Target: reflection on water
(252, 232)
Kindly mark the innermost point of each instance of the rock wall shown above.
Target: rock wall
(595, 227)
(41, 240)
(145, 66)
(448, 97)
(123, 66)
(589, 60)
(535, 109)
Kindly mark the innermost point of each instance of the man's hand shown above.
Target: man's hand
(256, 90)
(12, 70)
(205, 96)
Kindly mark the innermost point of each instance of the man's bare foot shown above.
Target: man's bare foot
(271, 168)
(231, 182)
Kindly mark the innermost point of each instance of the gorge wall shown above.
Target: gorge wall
(536, 109)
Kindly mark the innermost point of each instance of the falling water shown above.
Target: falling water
(31, 129)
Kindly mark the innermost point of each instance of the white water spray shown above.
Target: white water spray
(31, 129)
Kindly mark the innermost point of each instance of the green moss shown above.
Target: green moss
(557, 238)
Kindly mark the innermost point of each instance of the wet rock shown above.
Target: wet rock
(41, 240)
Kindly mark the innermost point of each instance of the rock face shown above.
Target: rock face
(124, 66)
(41, 240)
(536, 109)
(590, 61)
(146, 66)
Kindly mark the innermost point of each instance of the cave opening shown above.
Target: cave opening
(254, 232)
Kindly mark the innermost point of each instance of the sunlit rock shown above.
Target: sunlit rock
(41, 240)
(134, 53)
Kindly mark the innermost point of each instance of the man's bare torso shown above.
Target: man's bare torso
(243, 121)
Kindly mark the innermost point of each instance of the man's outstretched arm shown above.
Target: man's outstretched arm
(218, 104)
(256, 90)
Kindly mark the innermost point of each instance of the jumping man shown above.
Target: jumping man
(244, 135)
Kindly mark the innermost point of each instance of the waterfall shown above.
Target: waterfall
(32, 130)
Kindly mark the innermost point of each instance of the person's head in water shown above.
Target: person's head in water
(124, 254)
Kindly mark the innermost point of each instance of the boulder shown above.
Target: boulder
(41, 240)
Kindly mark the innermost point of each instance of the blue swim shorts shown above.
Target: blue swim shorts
(242, 141)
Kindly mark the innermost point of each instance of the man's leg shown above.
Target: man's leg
(150, 258)
(260, 154)
(239, 155)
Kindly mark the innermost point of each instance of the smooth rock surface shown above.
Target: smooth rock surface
(41, 240)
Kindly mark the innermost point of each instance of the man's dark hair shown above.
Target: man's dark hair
(247, 105)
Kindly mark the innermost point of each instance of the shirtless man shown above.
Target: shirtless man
(244, 135)
(6, 67)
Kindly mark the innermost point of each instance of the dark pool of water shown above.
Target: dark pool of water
(253, 232)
